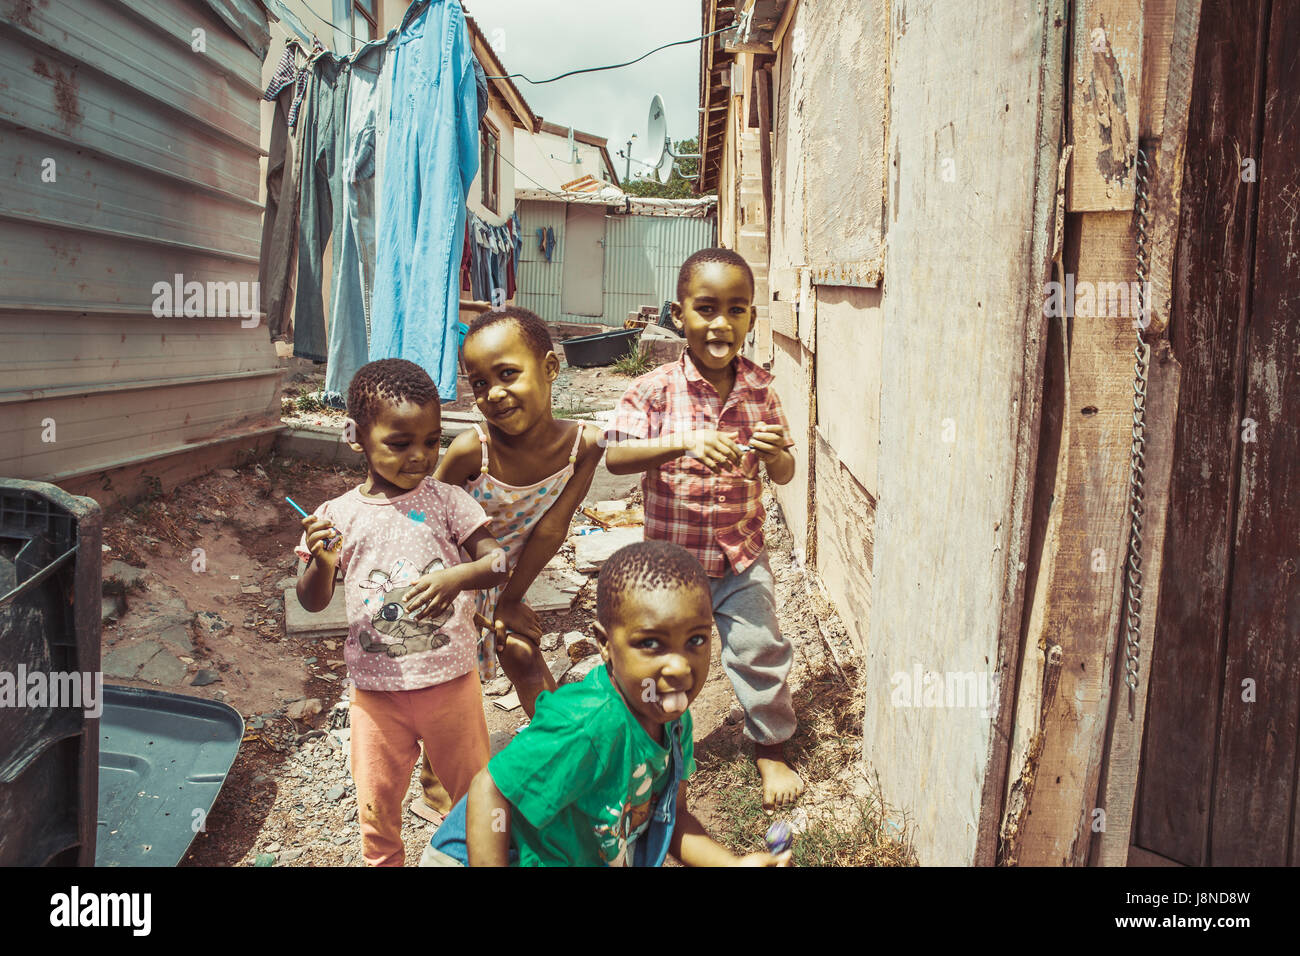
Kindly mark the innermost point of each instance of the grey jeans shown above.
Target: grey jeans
(755, 655)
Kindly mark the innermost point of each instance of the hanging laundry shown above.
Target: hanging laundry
(279, 245)
(541, 243)
(431, 160)
(550, 242)
(288, 73)
(321, 191)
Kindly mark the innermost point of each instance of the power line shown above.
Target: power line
(615, 66)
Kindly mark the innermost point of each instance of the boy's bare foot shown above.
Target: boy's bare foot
(781, 785)
(425, 812)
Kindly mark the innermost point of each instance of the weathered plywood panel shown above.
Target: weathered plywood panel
(845, 517)
(1255, 785)
(1106, 90)
(962, 351)
(846, 109)
(849, 327)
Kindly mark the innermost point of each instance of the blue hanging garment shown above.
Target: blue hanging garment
(430, 162)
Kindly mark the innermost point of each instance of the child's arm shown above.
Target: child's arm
(316, 583)
(715, 449)
(435, 591)
(487, 823)
(545, 539)
(692, 844)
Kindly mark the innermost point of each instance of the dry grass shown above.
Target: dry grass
(847, 823)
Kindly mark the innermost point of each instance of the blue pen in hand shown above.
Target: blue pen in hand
(329, 545)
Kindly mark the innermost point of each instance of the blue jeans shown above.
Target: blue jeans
(431, 159)
(755, 655)
(448, 846)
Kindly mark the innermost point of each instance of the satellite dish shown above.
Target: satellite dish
(657, 138)
(662, 158)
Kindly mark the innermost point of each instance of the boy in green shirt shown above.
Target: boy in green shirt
(599, 776)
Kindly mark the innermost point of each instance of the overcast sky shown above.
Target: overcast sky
(543, 38)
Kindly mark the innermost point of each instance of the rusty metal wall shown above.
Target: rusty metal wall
(129, 154)
(642, 257)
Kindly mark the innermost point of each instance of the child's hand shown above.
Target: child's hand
(323, 540)
(763, 858)
(768, 441)
(713, 448)
(432, 593)
(516, 616)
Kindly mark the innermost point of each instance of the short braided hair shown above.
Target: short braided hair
(390, 381)
(715, 254)
(531, 327)
(645, 565)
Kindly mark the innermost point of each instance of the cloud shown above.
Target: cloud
(543, 39)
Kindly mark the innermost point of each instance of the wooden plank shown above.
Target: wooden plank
(1105, 91)
(1211, 272)
(1111, 846)
(1082, 611)
(1255, 782)
(1166, 180)
(1157, 38)
(1118, 784)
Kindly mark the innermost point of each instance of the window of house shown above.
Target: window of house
(365, 19)
(488, 166)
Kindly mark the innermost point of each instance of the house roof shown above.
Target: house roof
(756, 22)
(523, 115)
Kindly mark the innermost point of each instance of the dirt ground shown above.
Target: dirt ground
(217, 554)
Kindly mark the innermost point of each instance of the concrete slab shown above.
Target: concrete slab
(546, 592)
(594, 549)
(164, 668)
(126, 661)
(331, 622)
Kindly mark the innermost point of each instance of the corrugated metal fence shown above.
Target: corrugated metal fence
(129, 148)
(642, 256)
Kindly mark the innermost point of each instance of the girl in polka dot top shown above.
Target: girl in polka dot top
(530, 472)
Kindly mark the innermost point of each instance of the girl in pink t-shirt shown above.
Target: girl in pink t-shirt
(411, 650)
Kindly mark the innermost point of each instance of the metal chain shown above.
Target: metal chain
(1137, 460)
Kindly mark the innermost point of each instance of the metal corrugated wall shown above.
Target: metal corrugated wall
(126, 158)
(642, 256)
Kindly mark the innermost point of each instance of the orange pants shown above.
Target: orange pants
(387, 728)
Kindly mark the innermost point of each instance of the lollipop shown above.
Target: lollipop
(779, 837)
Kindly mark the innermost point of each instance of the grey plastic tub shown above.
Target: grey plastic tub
(603, 348)
(162, 760)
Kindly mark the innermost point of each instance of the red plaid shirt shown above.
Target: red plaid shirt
(718, 518)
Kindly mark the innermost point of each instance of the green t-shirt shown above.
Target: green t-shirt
(583, 777)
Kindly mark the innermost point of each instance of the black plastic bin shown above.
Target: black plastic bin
(603, 348)
(50, 596)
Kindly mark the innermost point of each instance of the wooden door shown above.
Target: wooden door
(1218, 783)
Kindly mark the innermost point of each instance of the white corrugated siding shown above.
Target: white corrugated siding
(155, 150)
(642, 257)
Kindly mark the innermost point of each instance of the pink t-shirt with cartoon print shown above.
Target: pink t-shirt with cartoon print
(387, 544)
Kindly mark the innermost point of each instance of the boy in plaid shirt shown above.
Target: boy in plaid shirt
(698, 428)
